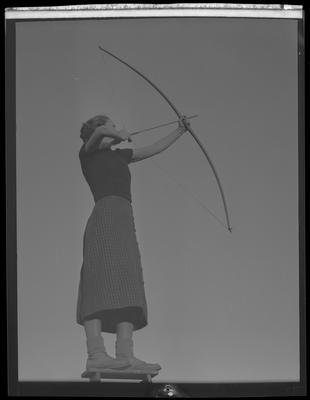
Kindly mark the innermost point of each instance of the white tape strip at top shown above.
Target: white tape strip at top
(158, 10)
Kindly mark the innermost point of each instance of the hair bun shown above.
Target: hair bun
(89, 126)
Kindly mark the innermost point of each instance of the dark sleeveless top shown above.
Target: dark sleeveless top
(106, 171)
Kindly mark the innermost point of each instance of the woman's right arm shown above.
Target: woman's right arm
(93, 141)
(100, 132)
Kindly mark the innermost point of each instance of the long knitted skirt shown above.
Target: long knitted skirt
(111, 284)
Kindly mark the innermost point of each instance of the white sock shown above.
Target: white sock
(124, 348)
(95, 345)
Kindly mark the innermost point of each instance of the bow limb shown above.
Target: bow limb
(188, 128)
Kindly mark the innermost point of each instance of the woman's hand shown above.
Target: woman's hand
(124, 135)
(119, 136)
(183, 124)
(101, 129)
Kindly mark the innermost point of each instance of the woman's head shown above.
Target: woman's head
(89, 126)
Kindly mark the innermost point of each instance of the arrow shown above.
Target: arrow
(159, 126)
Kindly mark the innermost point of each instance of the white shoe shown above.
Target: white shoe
(103, 360)
(135, 363)
(124, 351)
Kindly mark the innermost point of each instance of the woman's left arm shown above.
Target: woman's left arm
(162, 144)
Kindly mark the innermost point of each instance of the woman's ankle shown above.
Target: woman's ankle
(95, 345)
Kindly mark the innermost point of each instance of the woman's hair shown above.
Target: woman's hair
(89, 126)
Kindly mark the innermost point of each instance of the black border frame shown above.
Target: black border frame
(111, 389)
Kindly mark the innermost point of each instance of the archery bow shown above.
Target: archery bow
(180, 116)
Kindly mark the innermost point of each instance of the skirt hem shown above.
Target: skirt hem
(111, 317)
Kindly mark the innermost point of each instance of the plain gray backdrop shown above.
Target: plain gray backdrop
(222, 307)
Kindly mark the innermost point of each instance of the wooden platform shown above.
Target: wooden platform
(96, 374)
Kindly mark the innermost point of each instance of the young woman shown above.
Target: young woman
(111, 296)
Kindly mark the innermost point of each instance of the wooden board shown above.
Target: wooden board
(95, 374)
